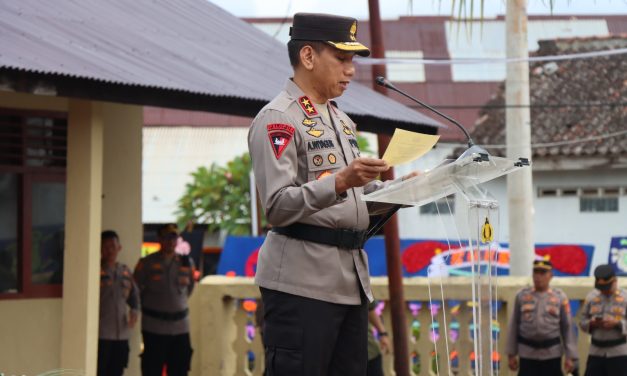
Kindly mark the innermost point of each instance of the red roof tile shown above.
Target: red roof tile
(571, 100)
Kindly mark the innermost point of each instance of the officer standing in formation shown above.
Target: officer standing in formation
(603, 316)
(119, 304)
(312, 271)
(540, 329)
(165, 281)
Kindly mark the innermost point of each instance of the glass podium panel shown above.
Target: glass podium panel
(477, 235)
(451, 176)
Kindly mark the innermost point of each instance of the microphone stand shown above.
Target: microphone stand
(472, 149)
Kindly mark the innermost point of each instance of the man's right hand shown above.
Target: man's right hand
(596, 322)
(512, 360)
(358, 173)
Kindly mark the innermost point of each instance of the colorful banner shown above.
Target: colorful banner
(618, 255)
(239, 257)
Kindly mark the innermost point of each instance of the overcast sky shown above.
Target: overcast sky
(391, 9)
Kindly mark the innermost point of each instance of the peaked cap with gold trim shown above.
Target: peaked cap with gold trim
(543, 263)
(337, 31)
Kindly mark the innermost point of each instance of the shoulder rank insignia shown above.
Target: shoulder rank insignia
(280, 136)
(307, 106)
(346, 129)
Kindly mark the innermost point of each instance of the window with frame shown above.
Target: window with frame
(33, 151)
(591, 199)
(598, 204)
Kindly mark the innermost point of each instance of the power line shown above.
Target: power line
(533, 105)
(287, 15)
(582, 55)
(560, 143)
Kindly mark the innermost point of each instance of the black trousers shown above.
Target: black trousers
(309, 337)
(375, 366)
(533, 367)
(112, 357)
(173, 351)
(602, 366)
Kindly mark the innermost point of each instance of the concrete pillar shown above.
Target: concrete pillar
(518, 136)
(122, 192)
(79, 326)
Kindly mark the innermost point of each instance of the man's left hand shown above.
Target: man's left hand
(132, 319)
(384, 342)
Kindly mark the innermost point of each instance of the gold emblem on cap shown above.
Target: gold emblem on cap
(353, 31)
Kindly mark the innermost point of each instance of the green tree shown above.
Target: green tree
(219, 196)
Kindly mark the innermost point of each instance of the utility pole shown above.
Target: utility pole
(518, 136)
(392, 242)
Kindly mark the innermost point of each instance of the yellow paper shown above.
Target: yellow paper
(406, 146)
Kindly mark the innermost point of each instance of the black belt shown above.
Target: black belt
(544, 344)
(167, 316)
(340, 237)
(609, 342)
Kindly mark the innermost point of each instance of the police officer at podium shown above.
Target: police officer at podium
(540, 329)
(604, 317)
(312, 270)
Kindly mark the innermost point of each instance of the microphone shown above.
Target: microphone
(472, 148)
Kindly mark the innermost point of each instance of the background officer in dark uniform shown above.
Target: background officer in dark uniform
(603, 316)
(312, 271)
(540, 329)
(165, 280)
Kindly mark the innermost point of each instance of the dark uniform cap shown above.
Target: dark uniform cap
(543, 264)
(340, 32)
(170, 228)
(604, 277)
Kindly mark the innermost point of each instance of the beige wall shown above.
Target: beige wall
(33, 102)
(104, 191)
(218, 320)
(83, 216)
(122, 189)
(27, 327)
(30, 326)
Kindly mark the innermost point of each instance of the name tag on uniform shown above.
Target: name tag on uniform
(320, 145)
